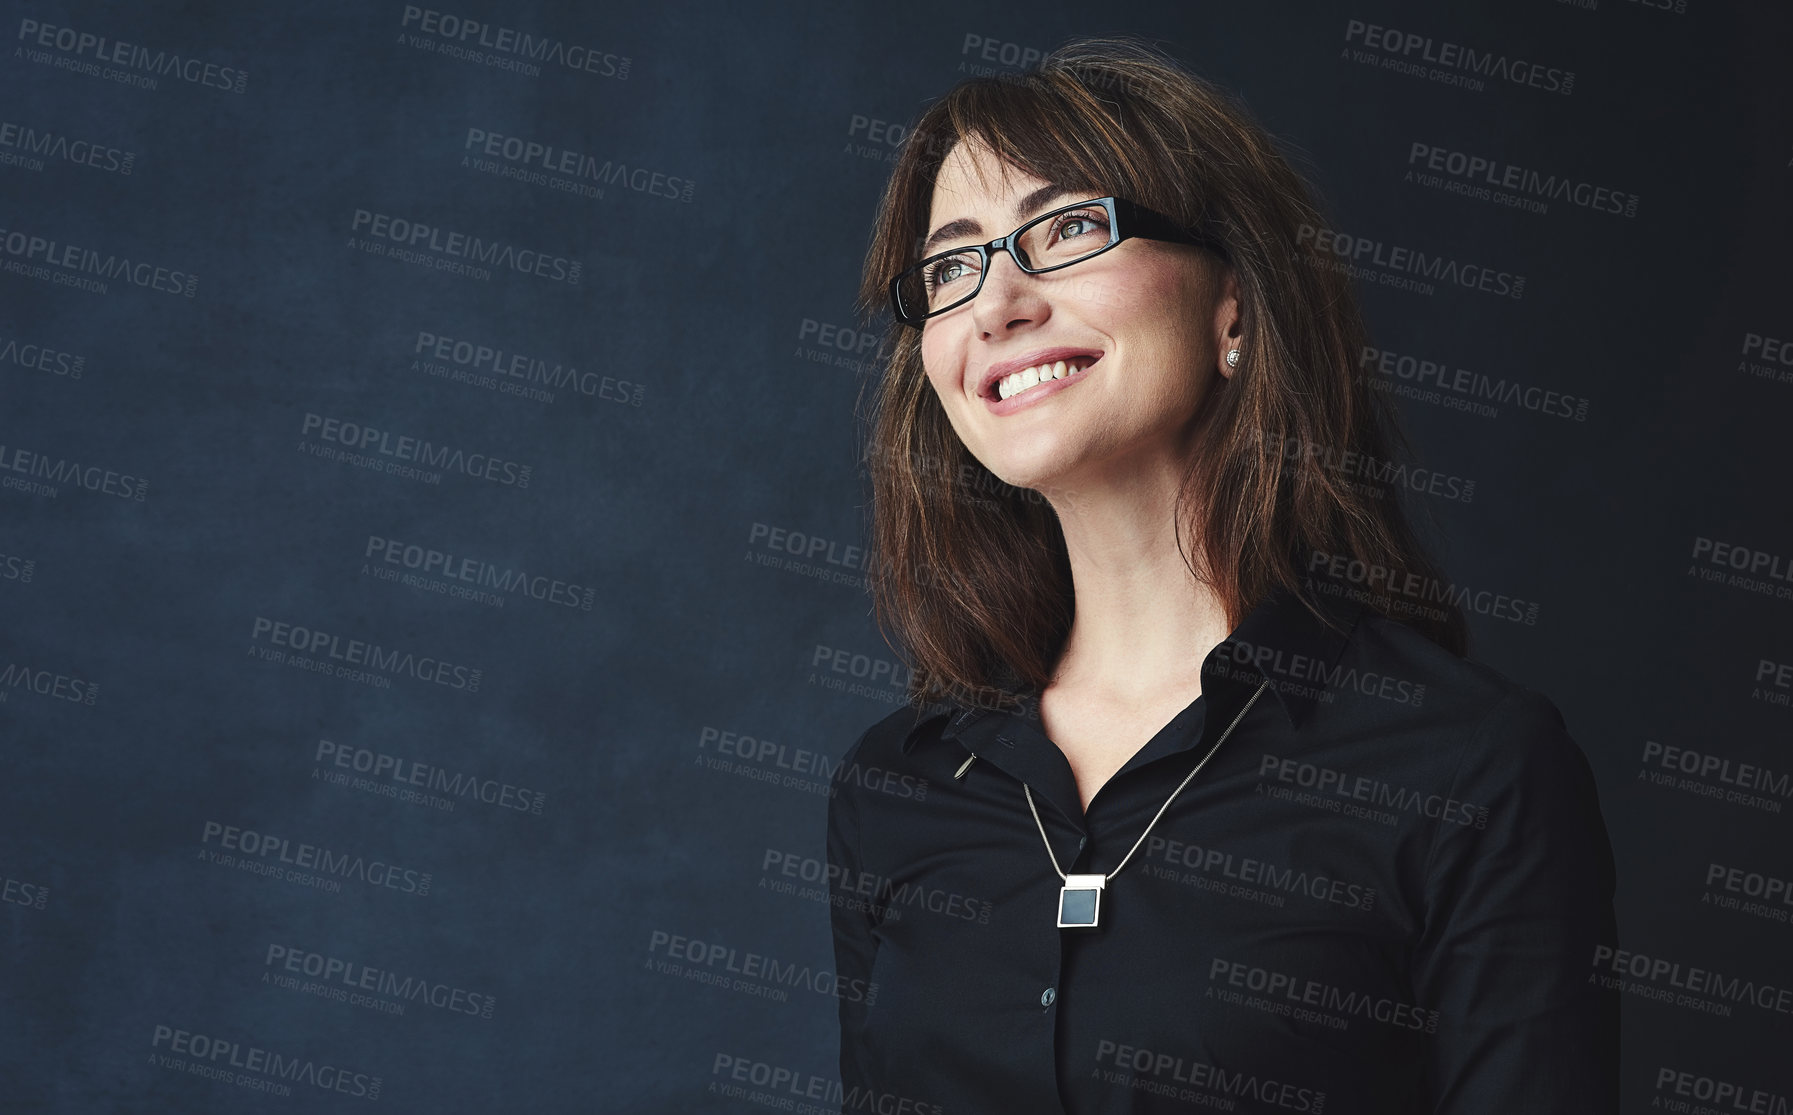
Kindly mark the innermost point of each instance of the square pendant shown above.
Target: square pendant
(1080, 901)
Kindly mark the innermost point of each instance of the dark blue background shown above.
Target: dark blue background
(711, 306)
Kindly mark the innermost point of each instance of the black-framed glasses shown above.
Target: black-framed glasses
(1067, 235)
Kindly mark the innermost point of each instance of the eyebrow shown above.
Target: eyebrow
(965, 226)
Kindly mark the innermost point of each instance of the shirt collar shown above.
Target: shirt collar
(1278, 641)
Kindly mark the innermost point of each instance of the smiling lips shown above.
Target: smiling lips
(1040, 373)
(1010, 378)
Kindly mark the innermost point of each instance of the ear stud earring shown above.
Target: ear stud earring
(1232, 358)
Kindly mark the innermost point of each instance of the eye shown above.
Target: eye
(948, 270)
(1082, 222)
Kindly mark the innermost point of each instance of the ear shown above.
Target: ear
(1229, 329)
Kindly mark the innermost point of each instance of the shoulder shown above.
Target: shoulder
(1467, 688)
(1404, 653)
(1501, 747)
(1491, 724)
(885, 741)
(879, 758)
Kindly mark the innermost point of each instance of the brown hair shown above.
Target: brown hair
(972, 573)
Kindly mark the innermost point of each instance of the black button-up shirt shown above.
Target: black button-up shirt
(1382, 895)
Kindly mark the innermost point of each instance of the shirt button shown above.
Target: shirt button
(1048, 997)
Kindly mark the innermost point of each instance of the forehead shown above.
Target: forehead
(972, 181)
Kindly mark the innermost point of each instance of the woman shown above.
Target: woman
(1200, 805)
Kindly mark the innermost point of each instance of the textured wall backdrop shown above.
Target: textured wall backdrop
(431, 518)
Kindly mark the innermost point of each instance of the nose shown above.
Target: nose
(1010, 298)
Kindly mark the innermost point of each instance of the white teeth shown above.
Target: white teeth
(1039, 373)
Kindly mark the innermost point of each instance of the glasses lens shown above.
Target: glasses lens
(1066, 236)
(939, 282)
(1054, 240)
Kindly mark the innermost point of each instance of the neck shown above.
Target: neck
(1142, 622)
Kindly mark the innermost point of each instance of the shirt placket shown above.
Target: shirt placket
(1016, 747)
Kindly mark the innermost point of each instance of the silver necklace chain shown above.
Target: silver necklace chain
(1161, 808)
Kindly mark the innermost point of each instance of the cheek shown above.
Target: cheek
(1162, 303)
(938, 367)
(1131, 299)
(1169, 293)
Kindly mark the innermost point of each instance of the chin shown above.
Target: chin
(1037, 475)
